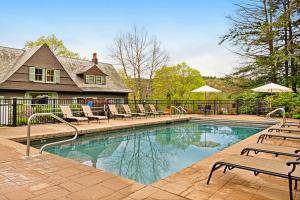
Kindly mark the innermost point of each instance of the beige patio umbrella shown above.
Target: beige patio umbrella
(272, 88)
(206, 89)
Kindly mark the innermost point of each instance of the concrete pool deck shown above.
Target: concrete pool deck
(53, 177)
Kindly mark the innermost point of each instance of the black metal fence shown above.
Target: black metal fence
(14, 112)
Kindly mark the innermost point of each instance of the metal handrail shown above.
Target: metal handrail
(276, 110)
(177, 110)
(182, 109)
(50, 144)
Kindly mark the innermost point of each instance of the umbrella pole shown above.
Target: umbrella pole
(205, 103)
(271, 99)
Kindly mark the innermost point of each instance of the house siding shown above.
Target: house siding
(11, 93)
(66, 95)
(17, 83)
(70, 95)
(45, 59)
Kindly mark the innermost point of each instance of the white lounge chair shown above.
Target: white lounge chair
(128, 111)
(67, 114)
(142, 110)
(114, 112)
(89, 114)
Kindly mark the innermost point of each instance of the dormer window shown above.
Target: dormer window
(39, 74)
(92, 79)
(89, 79)
(49, 75)
(100, 80)
(44, 75)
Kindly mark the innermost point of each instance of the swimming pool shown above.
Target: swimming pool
(149, 154)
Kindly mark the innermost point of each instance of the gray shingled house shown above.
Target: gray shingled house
(37, 72)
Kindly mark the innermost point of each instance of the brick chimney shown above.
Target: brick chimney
(95, 59)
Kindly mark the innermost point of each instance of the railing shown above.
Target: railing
(177, 111)
(49, 144)
(182, 109)
(15, 112)
(274, 111)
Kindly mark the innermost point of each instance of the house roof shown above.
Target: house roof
(85, 69)
(12, 59)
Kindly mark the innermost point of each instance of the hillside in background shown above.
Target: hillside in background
(228, 85)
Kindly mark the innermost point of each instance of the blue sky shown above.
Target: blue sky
(188, 29)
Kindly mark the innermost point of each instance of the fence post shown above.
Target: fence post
(215, 104)
(156, 104)
(237, 107)
(14, 117)
(106, 108)
(257, 107)
(54, 109)
(193, 106)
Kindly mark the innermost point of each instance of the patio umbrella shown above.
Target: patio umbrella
(271, 88)
(206, 89)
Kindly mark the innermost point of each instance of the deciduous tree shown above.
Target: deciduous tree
(139, 56)
(56, 45)
(176, 82)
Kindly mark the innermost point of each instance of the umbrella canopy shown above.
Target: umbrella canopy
(206, 89)
(272, 88)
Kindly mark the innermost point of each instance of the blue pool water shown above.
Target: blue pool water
(149, 154)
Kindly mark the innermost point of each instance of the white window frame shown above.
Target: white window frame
(75, 98)
(46, 70)
(43, 75)
(90, 76)
(102, 80)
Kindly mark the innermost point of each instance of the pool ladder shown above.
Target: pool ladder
(178, 111)
(274, 111)
(49, 144)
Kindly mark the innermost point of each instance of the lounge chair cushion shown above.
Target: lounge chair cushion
(98, 117)
(285, 129)
(78, 118)
(263, 164)
(274, 149)
(282, 134)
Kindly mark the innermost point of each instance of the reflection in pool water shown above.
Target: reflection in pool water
(152, 153)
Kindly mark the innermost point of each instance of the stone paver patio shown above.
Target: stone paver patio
(53, 177)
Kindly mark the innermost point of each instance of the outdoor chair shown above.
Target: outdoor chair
(89, 114)
(282, 135)
(280, 129)
(207, 109)
(142, 110)
(68, 115)
(288, 170)
(128, 111)
(158, 112)
(114, 112)
(288, 124)
(271, 149)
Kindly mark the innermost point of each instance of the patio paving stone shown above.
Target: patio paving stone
(53, 177)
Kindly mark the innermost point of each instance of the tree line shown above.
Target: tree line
(266, 33)
(142, 64)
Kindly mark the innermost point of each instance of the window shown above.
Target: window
(100, 80)
(89, 79)
(50, 75)
(44, 75)
(39, 74)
